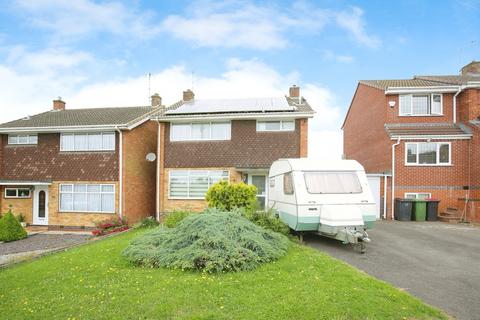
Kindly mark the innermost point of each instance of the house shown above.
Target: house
(202, 141)
(419, 138)
(73, 167)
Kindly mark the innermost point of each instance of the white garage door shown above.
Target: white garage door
(374, 182)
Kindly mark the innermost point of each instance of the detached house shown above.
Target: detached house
(203, 141)
(73, 167)
(420, 136)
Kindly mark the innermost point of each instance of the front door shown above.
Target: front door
(259, 181)
(40, 205)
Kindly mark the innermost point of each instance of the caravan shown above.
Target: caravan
(330, 198)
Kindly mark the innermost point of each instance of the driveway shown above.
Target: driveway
(437, 262)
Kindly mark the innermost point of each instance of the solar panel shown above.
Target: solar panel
(233, 105)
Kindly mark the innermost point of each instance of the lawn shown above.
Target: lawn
(95, 282)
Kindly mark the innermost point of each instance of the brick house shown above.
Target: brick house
(73, 167)
(421, 137)
(203, 141)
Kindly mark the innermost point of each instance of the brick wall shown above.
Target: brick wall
(24, 206)
(45, 162)
(468, 105)
(247, 148)
(139, 174)
(303, 138)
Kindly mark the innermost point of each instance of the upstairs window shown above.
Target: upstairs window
(200, 131)
(22, 139)
(99, 141)
(420, 104)
(280, 125)
(427, 153)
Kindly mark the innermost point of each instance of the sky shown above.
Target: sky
(99, 53)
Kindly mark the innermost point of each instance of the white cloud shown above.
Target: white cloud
(329, 55)
(352, 21)
(30, 94)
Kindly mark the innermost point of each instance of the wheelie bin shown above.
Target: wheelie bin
(403, 209)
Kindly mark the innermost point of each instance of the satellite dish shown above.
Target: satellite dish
(151, 157)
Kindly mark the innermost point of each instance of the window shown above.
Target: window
(427, 153)
(193, 184)
(332, 182)
(87, 198)
(288, 183)
(101, 141)
(418, 195)
(421, 104)
(22, 139)
(17, 193)
(279, 125)
(200, 131)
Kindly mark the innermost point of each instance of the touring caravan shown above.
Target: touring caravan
(331, 198)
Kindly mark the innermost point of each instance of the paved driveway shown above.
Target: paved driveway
(437, 262)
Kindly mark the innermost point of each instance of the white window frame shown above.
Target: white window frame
(209, 123)
(16, 192)
(32, 139)
(86, 192)
(430, 103)
(281, 125)
(188, 183)
(438, 155)
(416, 194)
(73, 134)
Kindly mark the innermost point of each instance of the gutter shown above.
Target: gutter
(393, 174)
(120, 172)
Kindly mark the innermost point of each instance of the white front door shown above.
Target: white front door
(40, 205)
(259, 181)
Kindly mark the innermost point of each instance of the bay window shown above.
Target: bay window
(427, 153)
(193, 184)
(98, 141)
(200, 131)
(420, 104)
(96, 198)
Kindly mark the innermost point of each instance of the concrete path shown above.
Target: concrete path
(437, 262)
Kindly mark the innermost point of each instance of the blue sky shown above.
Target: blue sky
(98, 53)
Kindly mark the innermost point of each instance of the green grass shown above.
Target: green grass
(95, 282)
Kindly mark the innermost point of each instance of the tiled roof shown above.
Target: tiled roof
(425, 129)
(301, 106)
(82, 117)
(385, 84)
(451, 79)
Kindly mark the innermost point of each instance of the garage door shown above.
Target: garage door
(374, 182)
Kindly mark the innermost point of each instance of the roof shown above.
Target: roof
(120, 116)
(395, 130)
(396, 83)
(452, 79)
(235, 107)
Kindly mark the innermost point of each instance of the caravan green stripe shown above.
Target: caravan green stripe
(300, 223)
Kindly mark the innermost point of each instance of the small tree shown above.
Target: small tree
(227, 196)
(10, 228)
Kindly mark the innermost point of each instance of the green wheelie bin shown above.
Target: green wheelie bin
(419, 210)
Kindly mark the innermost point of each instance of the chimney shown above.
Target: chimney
(188, 95)
(294, 92)
(58, 104)
(473, 68)
(156, 100)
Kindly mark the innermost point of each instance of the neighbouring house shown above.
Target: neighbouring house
(419, 138)
(74, 167)
(203, 141)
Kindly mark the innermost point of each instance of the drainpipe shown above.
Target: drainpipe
(393, 173)
(120, 172)
(157, 200)
(460, 89)
(385, 196)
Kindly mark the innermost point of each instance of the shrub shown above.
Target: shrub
(268, 220)
(21, 217)
(149, 222)
(175, 217)
(111, 225)
(214, 242)
(227, 196)
(10, 228)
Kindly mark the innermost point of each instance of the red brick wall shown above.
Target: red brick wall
(139, 175)
(304, 138)
(468, 105)
(45, 161)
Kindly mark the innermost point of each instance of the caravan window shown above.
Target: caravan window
(287, 183)
(332, 182)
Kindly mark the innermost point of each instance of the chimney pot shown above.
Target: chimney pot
(294, 92)
(58, 104)
(156, 100)
(188, 95)
(473, 68)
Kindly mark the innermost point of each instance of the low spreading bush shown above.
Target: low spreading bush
(268, 220)
(10, 228)
(213, 242)
(172, 219)
(227, 196)
(112, 225)
(149, 222)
